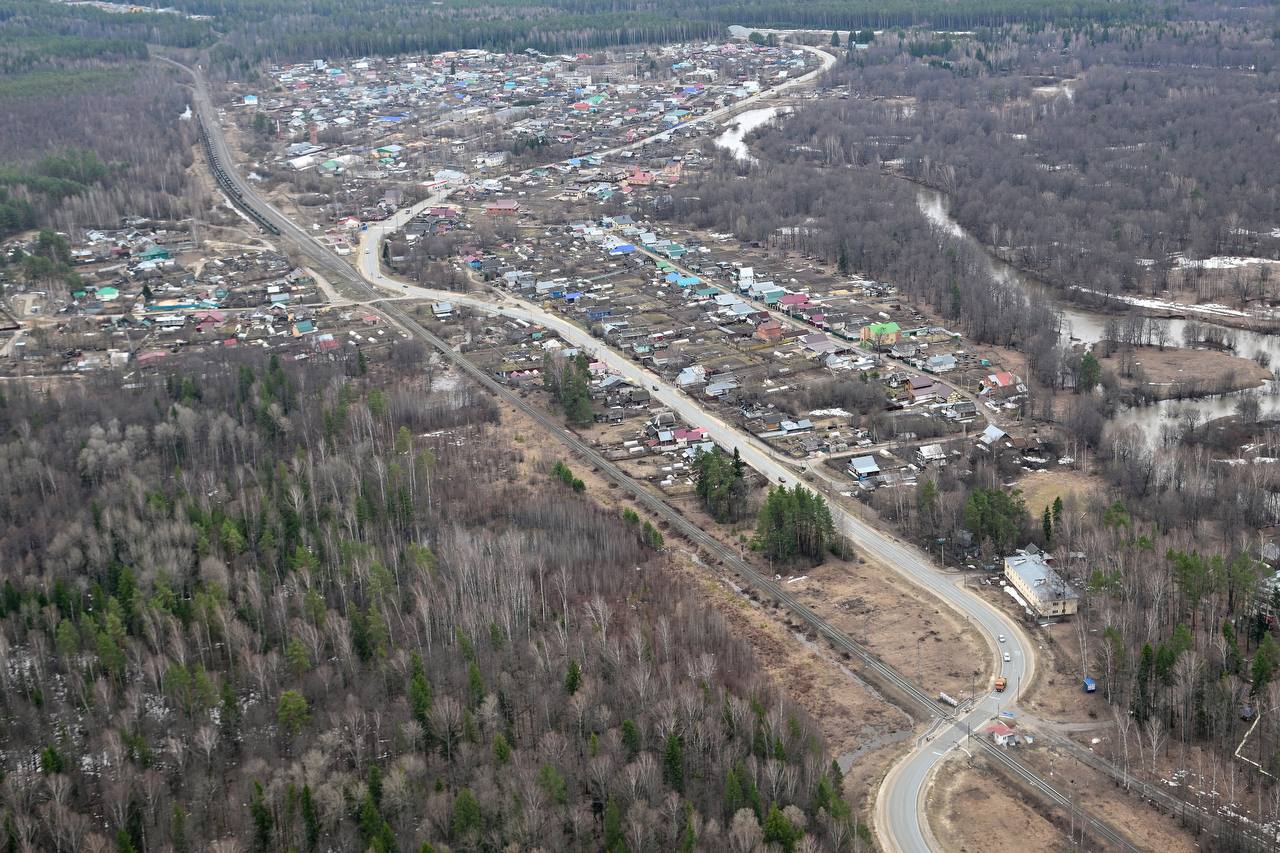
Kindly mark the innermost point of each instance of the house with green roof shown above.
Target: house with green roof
(881, 334)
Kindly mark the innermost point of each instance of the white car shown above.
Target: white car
(1007, 658)
(1000, 638)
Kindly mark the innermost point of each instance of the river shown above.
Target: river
(1087, 327)
(734, 138)
(1082, 326)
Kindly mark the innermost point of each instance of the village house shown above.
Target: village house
(502, 207)
(881, 335)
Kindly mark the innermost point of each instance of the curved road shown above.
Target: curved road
(900, 816)
(899, 806)
(900, 819)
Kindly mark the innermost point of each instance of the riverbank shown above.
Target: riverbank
(1164, 309)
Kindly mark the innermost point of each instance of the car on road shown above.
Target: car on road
(1007, 658)
(1000, 638)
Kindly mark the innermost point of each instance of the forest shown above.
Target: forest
(76, 88)
(1093, 157)
(250, 608)
(125, 119)
(254, 31)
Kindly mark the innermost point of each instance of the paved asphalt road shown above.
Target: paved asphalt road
(899, 804)
(900, 817)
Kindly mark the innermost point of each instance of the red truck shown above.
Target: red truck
(1001, 683)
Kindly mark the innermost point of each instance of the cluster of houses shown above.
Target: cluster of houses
(648, 301)
(143, 294)
(369, 118)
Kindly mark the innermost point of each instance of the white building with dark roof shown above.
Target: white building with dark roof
(1045, 591)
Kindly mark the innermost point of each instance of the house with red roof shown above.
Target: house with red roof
(1002, 734)
(769, 331)
(503, 207)
(686, 436)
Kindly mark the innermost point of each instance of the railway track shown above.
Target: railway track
(229, 186)
(727, 557)
(879, 671)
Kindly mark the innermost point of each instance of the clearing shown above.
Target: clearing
(1040, 488)
(972, 810)
(1179, 372)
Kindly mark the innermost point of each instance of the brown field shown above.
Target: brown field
(973, 810)
(1039, 488)
(1202, 370)
(1144, 826)
(901, 624)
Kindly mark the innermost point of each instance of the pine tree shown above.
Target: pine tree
(475, 685)
(466, 817)
(1234, 660)
(262, 821)
(793, 523)
(1265, 660)
(614, 841)
(673, 763)
(419, 691)
(1090, 372)
(178, 829)
(573, 678)
(501, 749)
(779, 830)
(631, 738)
(1142, 685)
(310, 819)
(733, 798)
